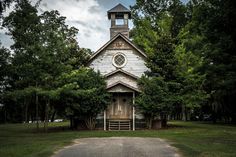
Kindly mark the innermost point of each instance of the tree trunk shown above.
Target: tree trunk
(233, 120)
(53, 116)
(90, 123)
(71, 122)
(163, 120)
(184, 113)
(46, 117)
(37, 111)
(26, 111)
(149, 122)
(214, 117)
(5, 115)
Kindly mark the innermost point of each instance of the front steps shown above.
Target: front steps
(119, 125)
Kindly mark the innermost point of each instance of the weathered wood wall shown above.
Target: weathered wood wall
(120, 89)
(121, 107)
(120, 77)
(135, 61)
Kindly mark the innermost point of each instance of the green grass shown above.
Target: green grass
(191, 138)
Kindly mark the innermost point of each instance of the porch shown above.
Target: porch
(120, 114)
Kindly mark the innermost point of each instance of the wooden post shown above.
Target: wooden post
(104, 121)
(133, 111)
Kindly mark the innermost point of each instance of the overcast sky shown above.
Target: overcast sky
(89, 16)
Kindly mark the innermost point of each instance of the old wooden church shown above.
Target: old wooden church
(122, 63)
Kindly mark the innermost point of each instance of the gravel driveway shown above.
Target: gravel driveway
(118, 147)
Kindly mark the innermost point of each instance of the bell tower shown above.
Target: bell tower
(119, 16)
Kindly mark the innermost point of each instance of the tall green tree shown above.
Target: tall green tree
(192, 92)
(4, 82)
(21, 30)
(4, 67)
(153, 101)
(84, 93)
(210, 34)
(160, 28)
(156, 26)
(44, 48)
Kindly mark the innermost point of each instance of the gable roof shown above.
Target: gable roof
(113, 39)
(123, 84)
(121, 71)
(118, 9)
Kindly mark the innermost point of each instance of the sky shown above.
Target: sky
(89, 16)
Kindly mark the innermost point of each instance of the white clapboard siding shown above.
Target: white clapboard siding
(120, 77)
(135, 62)
(120, 89)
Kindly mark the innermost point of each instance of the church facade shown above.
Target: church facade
(121, 63)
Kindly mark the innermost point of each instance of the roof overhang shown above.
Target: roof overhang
(123, 72)
(123, 84)
(118, 10)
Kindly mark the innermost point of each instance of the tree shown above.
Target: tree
(210, 35)
(155, 32)
(24, 32)
(84, 93)
(153, 101)
(162, 29)
(4, 69)
(4, 4)
(192, 92)
(44, 48)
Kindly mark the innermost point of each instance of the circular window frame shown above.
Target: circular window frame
(114, 63)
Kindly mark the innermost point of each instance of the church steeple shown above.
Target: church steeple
(119, 16)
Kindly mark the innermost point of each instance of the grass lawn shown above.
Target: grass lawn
(193, 139)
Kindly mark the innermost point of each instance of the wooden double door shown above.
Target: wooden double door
(121, 106)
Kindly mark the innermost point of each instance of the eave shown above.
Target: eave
(121, 71)
(124, 84)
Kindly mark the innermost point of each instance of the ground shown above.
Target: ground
(119, 146)
(193, 139)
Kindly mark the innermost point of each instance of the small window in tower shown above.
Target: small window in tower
(119, 60)
(120, 22)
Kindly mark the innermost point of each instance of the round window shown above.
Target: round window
(119, 60)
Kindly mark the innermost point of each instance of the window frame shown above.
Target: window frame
(114, 57)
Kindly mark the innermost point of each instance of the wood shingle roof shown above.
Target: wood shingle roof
(118, 9)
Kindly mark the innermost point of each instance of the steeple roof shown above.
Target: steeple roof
(118, 9)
